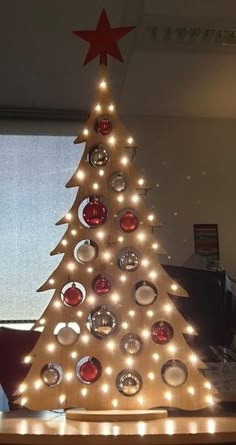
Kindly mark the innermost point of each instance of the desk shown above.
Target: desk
(48, 428)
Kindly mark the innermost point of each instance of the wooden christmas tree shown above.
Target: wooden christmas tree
(112, 337)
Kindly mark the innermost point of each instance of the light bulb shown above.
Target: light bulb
(107, 255)
(145, 262)
(24, 400)
(145, 333)
(120, 239)
(207, 385)
(51, 347)
(64, 242)
(115, 298)
(174, 287)
(80, 314)
(125, 325)
(190, 330)
(69, 376)
(155, 356)
(103, 85)
(111, 108)
(151, 375)
(168, 395)
(129, 361)
(111, 345)
(73, 232)
(130, 140)
(57, 304)
(135, 198)
(167, 308)
(150, 217)
(114, 403)
(100, 234)
(172, 349)
(80, 174)
(131, 313)
(51, 281)
(95, 186)
(153, 274)
(101, 172)
(112, 140)
(85, 338)
(85, 132)
(105, 388)
(193, 358)
(108, 370)
(150, 314)
(191, 390)
(124, 160)
(123, 278)
(155, 246)
(62, 398)
(73, 354)
(84, 392)
(69, 216)
(91, 299)
(89, 269)
(140, 400)
(27, 359)
(22, 388)
(42, 321)
(120, 198)
(140, 181)
(71, 266)
(209, 399)
(98, 107)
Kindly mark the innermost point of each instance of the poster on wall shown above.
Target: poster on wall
(206, 241)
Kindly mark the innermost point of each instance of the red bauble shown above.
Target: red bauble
(89, 371)
(95, 213)
(129, 222)
(162, 332)
(101, 285)
(73, 296)
(103, 126)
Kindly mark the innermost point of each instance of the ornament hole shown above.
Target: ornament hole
(145, 293)
(102, 284)
(102, 322)
(129, 382)
(73, 294)
(174, 373)
(104, 125)
(51, 374)
(98, 156)
(118, 181)
(162, 332)
(67, 333)
(88, 369)
(128, 220)
(129, 259)
(131, 344)
(92, 212)
(85, 251)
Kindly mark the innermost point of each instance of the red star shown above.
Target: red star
(103, 40)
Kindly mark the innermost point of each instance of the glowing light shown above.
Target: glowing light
(108, 370)
(112, 140)
(91, 299)
(73, 232)
(131, 313)
(38, 384)
(141, 428)
(155, 246)
(155, 356)
(124, 160)
(69, 216)
(130, 140)
(57, 304)
(95, 186)
(73, 354)
(145, 333)
(69, 376)
(100, 234)
(153, 274)
(51, 347)
(51, 281)
(64, 242)
(211, 426)
(23, 401)
(140, 181)
(42, 321)
(207, 385)
(103, 85)
(191, 390)
(141, 236)
(140, 400)
(168, 396)
(101, 172)
(84, 392)
(150, 217)
(209, 399)
(167, 308)
(123, 278)
(129, 361)
(193, 358)
(174, 287)
(85, 338)
(105, 388)
(98, 107)
(145, 262)
(22, 388)
(120, 198)
(115, 298)
(172, 348)
(80, 314)
(80, 174)
(150, 314)
(62, 398)
(125, 325)
(85, 132)
(111, 345)
(114, 403)
(71, 266)
(89, 269)
(190, 330)
(120, 239)
(135, 198)
(151, 375)
(27, 359)
(111, 107)
(107, 255)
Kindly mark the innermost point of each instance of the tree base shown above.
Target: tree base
(115, 415)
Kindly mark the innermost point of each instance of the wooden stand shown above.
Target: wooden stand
(115, 415)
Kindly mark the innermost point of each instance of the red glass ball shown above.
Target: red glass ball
(162, 332)
(73, 296)
(95, 213)
(101, 285)
(129, 222)
(89, 371)
(103, 126)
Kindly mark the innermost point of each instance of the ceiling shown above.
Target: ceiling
(179, 61)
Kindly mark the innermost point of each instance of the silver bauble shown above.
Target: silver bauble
(85, 252)
(129, 382)
(118, 182)
(131, 344)
(67, 336)
(174, 373)
(98, 156)
(145, 294)
(51, 374)
(129, 261)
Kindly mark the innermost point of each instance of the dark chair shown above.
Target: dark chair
(14, 346)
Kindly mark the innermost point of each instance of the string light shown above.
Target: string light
(124, 160)
(85, 132)
(69, 376)
(140, 400)
(150, 217)
(207, 385)
(114, 403)
(95, 186)
(172, 349)
(141, 236)
(71, 266)
(112, 140)
(73, 354)
(111, 108)
(168, 396)
(98, 107)
(131, 313)
(191, 390)
(80, 174)
(103, 85)
(101, 172)
(108, 370)
(73, 232)
(107, 255)
(145, 262)
(24, 401)
(140, 181)
(135, 198)
(22, 388)
(155, 246)
(153, 274)
(123, 278)
(105, 388)
(42, 321)
(151, 375)
(155, 356)
(150, 314)
(51, 281)
(120, 198)
(100, 234)
(125, 325)
(120, 239)
(69, 216)
(51, 347)
(130, 140)
(111, 345)
(85, 338)
(193, 358)
(80, 314)
(115, 298)
(64, 242)
(167, 308)
(84, 392)
(209, 399)
(91, 299)
(174, 287)
(89, 269)
(129, 361)
(38, 384)
(145, 333)
(190, 330)
(62, 398)
(57, 304)
(27, 359)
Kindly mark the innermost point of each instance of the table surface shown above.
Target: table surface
(45, 427)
